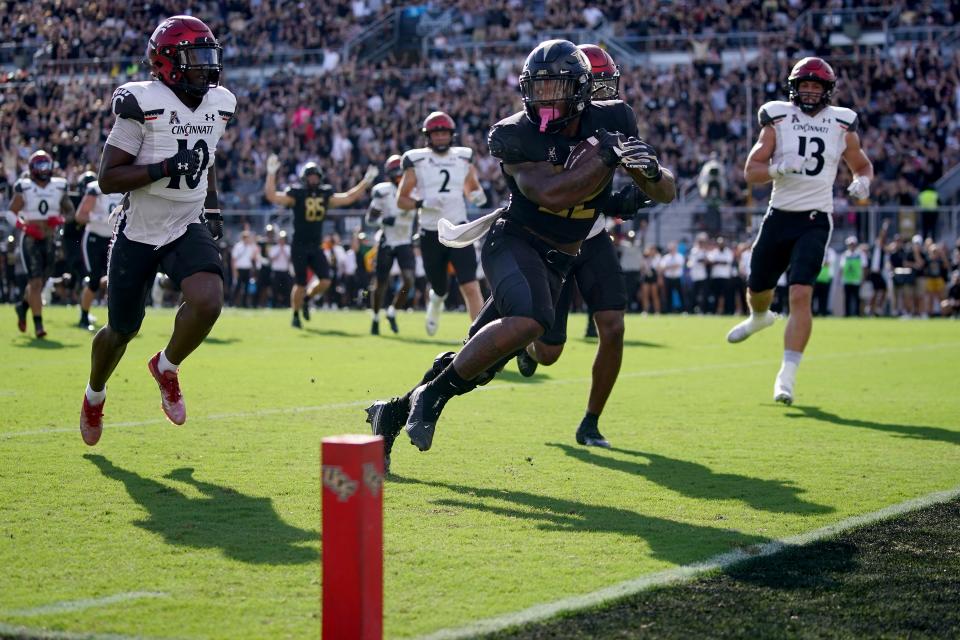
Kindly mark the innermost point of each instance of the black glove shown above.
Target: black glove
(626, 203)
(185, 162)
(214, 222)
(638, 154)
(389, 221)
(609, 144)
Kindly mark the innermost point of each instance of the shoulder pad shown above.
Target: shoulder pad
(772, 112)
(126, 105)
(412, 157)
(20, 185)
(93, 189)
(465, 153)
(505, 143)
(847, 118)
(381, 190)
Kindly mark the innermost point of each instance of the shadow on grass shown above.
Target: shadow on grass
(818, 567)
(513, 376)
(698, 481)
(914, 431)
(401, 337)
(220, 341)
(332, 332)
(244, 528)
(670, 541)
(44, 344)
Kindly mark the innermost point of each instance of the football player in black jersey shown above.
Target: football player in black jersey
(600, 280)
(310, 202)
(530, 248)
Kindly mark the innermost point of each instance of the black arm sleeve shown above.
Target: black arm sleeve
(504, 146)
(125, 105)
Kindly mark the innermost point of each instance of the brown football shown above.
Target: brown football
(586, 149)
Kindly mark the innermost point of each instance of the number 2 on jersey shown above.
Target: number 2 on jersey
(192, 181)
(816, 155)
(446, 181)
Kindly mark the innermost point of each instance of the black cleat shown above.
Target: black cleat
(393, 324)
(21, 310)
(589, 435)
(306, 309)
(386, 419)
(374, 327)
(425, 408)
(84, 324)
(526, 364)
(295, 323)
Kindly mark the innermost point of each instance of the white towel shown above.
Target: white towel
(464, 235)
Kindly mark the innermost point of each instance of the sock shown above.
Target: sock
(96, 397)
(590, 419)
(84, 315)
(449, 383)
(164, 364)
(38, 321)
(296, 313)
(391, 311)
(375, 315)
(792, 357)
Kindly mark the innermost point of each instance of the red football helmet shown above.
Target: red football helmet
(181, 44)
(815, 69)
(393, 167)
(606, 73)
(41, 166)
(438, 121)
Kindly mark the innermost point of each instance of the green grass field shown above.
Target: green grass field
(211, 530)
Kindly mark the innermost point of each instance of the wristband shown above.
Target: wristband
(156, 171)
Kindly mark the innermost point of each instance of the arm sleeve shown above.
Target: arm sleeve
(505, 147)
(763, 117)
(126, 135)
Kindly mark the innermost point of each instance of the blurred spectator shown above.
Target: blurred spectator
(851, 269)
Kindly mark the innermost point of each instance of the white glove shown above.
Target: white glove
(859, 189)
(370, 174)
(273, 164)
(792, 164)
(478, 197)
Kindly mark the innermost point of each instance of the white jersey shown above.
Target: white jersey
(820, 139)
(153, 124)
(100, 223)
(383, 198)
(440, 179)
(40, 203)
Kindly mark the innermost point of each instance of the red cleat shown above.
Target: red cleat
(91, 421)
(171, 400)
(41, 333)
(21, 317)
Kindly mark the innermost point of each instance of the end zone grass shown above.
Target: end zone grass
(221, 516)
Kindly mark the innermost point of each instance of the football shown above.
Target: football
(585, 149)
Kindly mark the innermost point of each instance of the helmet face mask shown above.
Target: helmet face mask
(606, 73)
(811, 70)
(311, 176)
(393, 168)
(184, 54)
(555, 84)
(438, 122)
(41, 166)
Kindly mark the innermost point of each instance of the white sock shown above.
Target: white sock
(375, 315)
(96, 397)
(792, 357)
(164, 364)
(391, 311)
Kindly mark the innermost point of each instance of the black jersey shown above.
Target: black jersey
(515, 139)
(309, 212)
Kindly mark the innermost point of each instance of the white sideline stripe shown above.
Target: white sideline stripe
(684, 573)
(26, 633)
(79, 605)
(494, 386)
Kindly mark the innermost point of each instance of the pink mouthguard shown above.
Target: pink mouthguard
(546, 115)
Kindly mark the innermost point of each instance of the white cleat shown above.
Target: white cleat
(783, 387)
(434, 307)
(750, 326)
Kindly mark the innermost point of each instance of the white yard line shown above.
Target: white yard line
(495, 386)
(684, 573)
(79, 605)
(26, 633)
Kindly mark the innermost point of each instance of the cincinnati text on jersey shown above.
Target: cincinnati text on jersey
(192, 129)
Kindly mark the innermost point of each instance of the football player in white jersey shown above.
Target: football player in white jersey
(394, 243)
(160, 154)
(442, 175)
(94, 214)
(40, 206)
(800, 146)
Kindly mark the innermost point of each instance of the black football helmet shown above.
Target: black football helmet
(555, 72)
(311, 169)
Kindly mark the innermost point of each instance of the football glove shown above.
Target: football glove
(626, 203)
(792, 164)
(609, 146)
(273, 164)
(637, 154)
(370, 175)
(859, 189)
(185, 162)
(214, 221)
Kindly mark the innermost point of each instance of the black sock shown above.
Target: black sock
(449, 383)
(591, 419)
(84, 316)
(38, 321)
(296, 314)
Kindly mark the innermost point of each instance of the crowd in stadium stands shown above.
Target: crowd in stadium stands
(348, 116)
